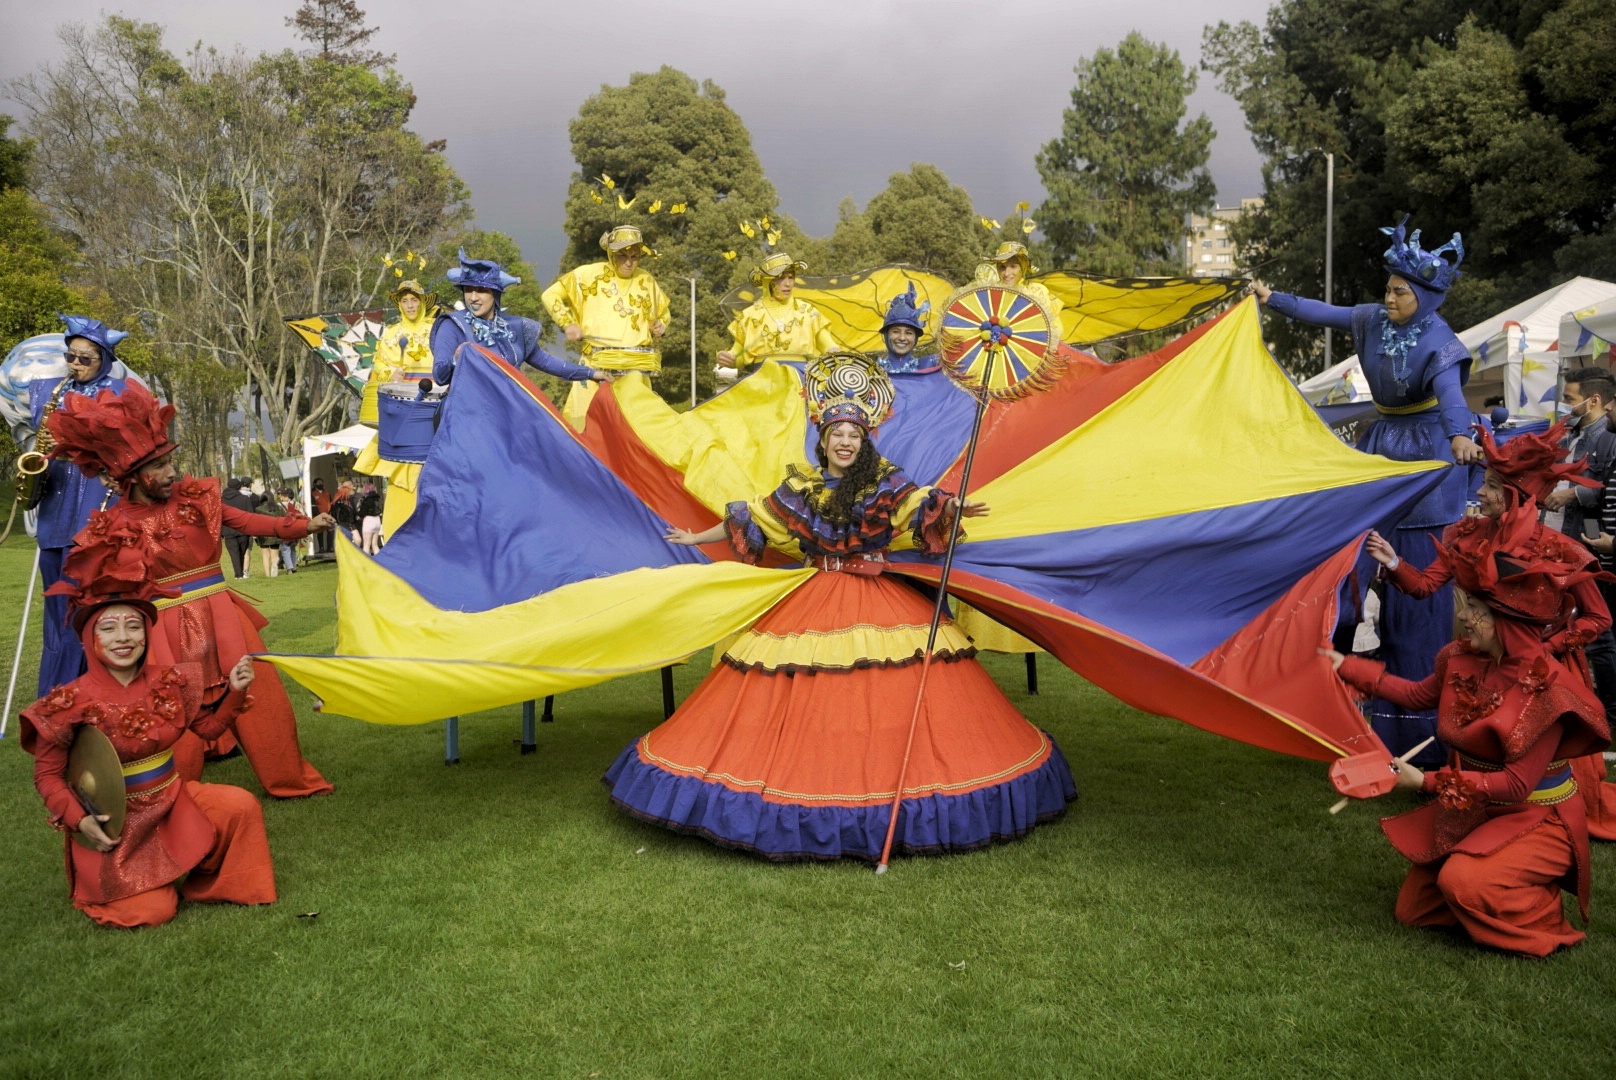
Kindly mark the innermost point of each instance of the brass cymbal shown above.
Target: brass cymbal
(96, 777)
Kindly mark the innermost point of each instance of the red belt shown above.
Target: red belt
(863, 565)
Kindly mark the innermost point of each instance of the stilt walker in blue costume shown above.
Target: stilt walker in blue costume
(69, 496)
(1416, 368)
(482, 283)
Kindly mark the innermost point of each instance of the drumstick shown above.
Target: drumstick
(1345, 799)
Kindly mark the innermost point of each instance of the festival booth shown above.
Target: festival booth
(1587, 334)
(319, 452)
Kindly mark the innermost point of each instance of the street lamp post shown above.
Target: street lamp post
(1329, 244)
(692, 280)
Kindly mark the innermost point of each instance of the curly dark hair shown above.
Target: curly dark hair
(860, 476)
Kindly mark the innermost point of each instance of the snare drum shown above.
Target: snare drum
(406, 420)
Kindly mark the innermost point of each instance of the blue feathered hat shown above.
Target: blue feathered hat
(97, 331)
(903, 312)
(1409, 261)
(481, 274)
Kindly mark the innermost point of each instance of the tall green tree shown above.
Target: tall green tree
(1126, 170)
(1490, 120)
(337, 32)
(666, 138)
(34, 258)
(920, 217)
(218, 195)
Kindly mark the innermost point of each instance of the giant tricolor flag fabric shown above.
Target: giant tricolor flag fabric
(1179, 528)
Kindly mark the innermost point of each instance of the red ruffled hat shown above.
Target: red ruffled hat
(1518, 570)
(109, 558)
(1531, 463)
(111, 433)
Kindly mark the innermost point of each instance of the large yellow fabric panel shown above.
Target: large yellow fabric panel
(389, 665)
(854, 305)
(1217, 426)
(735, 446)
(1096, 308)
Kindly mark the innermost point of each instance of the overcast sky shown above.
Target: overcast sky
(838, 94)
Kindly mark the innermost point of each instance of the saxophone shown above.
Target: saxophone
(31, 464)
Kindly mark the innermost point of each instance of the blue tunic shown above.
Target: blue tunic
(453, 329)
(69, 498)
(911, 364)
(1431, 371)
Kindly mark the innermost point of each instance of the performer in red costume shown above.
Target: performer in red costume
(126, 437)
(210, 835)
(1506, 830)
(1520, 475)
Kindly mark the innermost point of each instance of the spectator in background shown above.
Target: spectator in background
(1599, 796)
(237, 494)
(288, 548)
(1588, 392)
(370, 520)
(322, 505)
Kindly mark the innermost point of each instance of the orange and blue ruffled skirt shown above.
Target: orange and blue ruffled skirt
(791, 748)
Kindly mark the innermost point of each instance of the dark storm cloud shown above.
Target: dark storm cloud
(837, 95)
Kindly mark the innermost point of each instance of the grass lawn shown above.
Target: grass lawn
(1196, 913)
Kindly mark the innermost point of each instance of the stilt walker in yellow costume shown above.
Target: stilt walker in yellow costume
(614, 310)
(775, 325)
(403, 355)
(1011, 265)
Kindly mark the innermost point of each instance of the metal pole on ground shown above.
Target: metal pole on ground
(451, 741)
(692, 280)
(22, 634)
(530, 731)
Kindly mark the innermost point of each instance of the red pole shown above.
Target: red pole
(931, 634)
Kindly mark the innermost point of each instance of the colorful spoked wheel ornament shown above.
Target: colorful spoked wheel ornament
(999, 341)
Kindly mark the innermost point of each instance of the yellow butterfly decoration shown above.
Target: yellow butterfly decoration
(746, 227)
(593, 194)
(1028, 225)
(677, 208)
(608, 182)
(989, 224)
(655, 207)
(730, 255)
(622, 205)
(773, 238)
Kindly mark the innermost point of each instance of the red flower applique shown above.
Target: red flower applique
(189, 514)
(166, 705)
(58, 699)
(189, 488)
(1538, 677)
(135, 722)
(1471, 700)
(93, 713)
(171, 677)
(1456, 791)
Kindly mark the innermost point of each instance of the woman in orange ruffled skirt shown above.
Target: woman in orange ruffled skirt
(793, 745)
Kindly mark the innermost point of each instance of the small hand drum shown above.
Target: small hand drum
(406, 420)
(1364, 776)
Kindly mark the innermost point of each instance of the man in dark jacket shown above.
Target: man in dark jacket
(238, 493)
(1589, 392)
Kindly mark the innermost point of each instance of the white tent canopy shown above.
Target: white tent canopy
(1588, 332)
(350, 440)
(1514, 352)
